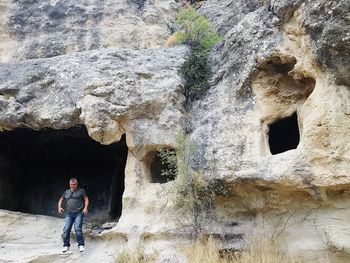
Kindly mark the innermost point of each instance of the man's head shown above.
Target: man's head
(73, 184)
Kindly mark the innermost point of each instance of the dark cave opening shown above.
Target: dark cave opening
(284, 134)
(162, 165)
(35, 168)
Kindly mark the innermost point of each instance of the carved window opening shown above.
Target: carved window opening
(284, 134)
(162, 166)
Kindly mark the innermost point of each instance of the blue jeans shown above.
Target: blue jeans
(77, 219)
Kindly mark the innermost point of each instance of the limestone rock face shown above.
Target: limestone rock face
(101, 64)
(268, 67)
(107, 90)
(327, 24)
(38, 29)
(279, 59)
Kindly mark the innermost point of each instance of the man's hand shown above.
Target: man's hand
(86, 204)
(60, 209)
(85, 211)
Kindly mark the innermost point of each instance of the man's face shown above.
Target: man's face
(73, 185)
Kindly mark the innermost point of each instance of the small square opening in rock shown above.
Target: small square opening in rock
(162, 165)
(284, 134)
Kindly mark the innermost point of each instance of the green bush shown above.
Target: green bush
(196, 72)
(196, 32)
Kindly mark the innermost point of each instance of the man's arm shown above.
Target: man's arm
(60, 209)
(86, 205)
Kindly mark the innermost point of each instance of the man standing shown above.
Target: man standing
(77, 204)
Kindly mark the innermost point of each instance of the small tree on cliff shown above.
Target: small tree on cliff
(190, 193)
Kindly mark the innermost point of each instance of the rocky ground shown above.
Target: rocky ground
(35, 238)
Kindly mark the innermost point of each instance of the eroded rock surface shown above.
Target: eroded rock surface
(39, 29)
(106, 90)
(277, 59)
(266, 68)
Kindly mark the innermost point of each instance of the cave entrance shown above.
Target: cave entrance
(35, 168)
(284, 134)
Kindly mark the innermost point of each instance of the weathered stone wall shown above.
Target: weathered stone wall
(101, 89)
(39, 29)
(277, 58)
(100, 64)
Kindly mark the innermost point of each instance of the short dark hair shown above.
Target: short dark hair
(73, 179)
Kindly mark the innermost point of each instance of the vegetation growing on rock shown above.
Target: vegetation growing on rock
(196, 32)
(190, 193)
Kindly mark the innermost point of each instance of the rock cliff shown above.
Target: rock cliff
(272, 130)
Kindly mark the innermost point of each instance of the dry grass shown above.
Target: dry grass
(259, 250)
(262, 250)
(136, 255)
(204, 252)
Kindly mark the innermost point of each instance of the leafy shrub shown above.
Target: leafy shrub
(196, 72)
(196, 32)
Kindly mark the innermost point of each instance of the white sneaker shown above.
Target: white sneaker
(65, 249)
(81, 249)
